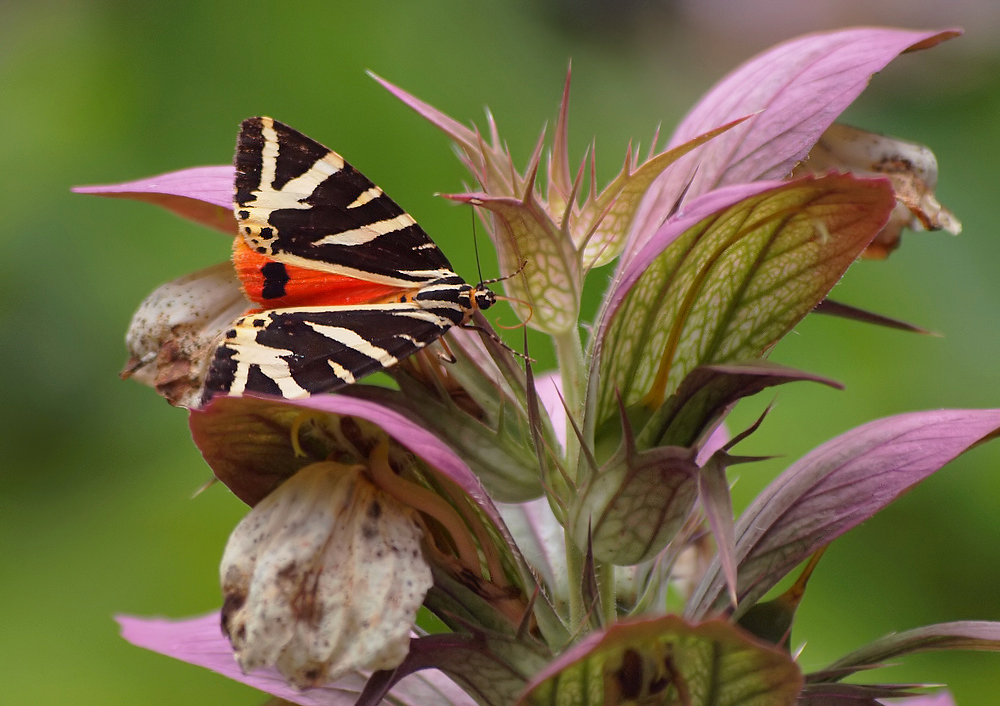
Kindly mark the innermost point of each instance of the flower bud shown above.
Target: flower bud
(635, 504)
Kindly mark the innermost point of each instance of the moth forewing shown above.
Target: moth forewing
(314, 230)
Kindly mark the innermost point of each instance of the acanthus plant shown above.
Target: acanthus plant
(574, 530)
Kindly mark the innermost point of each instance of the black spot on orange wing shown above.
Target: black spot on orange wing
(275, 278)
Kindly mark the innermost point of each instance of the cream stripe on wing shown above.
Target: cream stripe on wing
(319, 172)
(360, 236)
(268, 153)
(249, 353)
(366, 196)
(341, 372)
(352, 340)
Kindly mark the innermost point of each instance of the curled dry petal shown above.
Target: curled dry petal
(324, 577)
(201, 194)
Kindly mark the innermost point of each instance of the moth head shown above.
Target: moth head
(483, 298)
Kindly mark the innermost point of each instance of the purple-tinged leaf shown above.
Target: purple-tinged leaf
(846, 311)
(939, 698)
(798, 89)
(200, 194)
(708, 392)
(466, 138)
(834, 488)
(978, 635)
(855, 694)
(243, 438)
(713, 492)
(726, 280)
(200, 641)
(666, 660)
(490, 164)
(560, 180)
(493, 668)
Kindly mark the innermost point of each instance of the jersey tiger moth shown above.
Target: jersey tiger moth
(345, 282)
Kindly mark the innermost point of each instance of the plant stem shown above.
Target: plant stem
(569, 356)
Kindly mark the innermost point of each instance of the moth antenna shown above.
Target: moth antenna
(515, 273)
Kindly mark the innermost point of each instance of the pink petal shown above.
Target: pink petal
(548, 386)
(797, 89)
(200, 641)
(201, 194)
(837, 487)
(541, 541)
(716, 440)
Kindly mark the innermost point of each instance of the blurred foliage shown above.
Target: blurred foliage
(95, 515)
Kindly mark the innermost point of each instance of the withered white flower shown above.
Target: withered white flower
(175, 329)
(323, 576)
(912, 169)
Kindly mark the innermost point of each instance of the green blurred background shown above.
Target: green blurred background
(95, 509)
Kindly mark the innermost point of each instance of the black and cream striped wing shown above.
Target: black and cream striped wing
(295, 353)
(300, 203)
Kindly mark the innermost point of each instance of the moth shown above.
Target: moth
(344, 281)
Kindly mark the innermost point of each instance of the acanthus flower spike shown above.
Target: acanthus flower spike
(624, 564)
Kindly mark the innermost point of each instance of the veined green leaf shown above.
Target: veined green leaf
(550, 279)
(668, 661)
(727, 287)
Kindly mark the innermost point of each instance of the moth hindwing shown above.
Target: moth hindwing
(344, 281)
